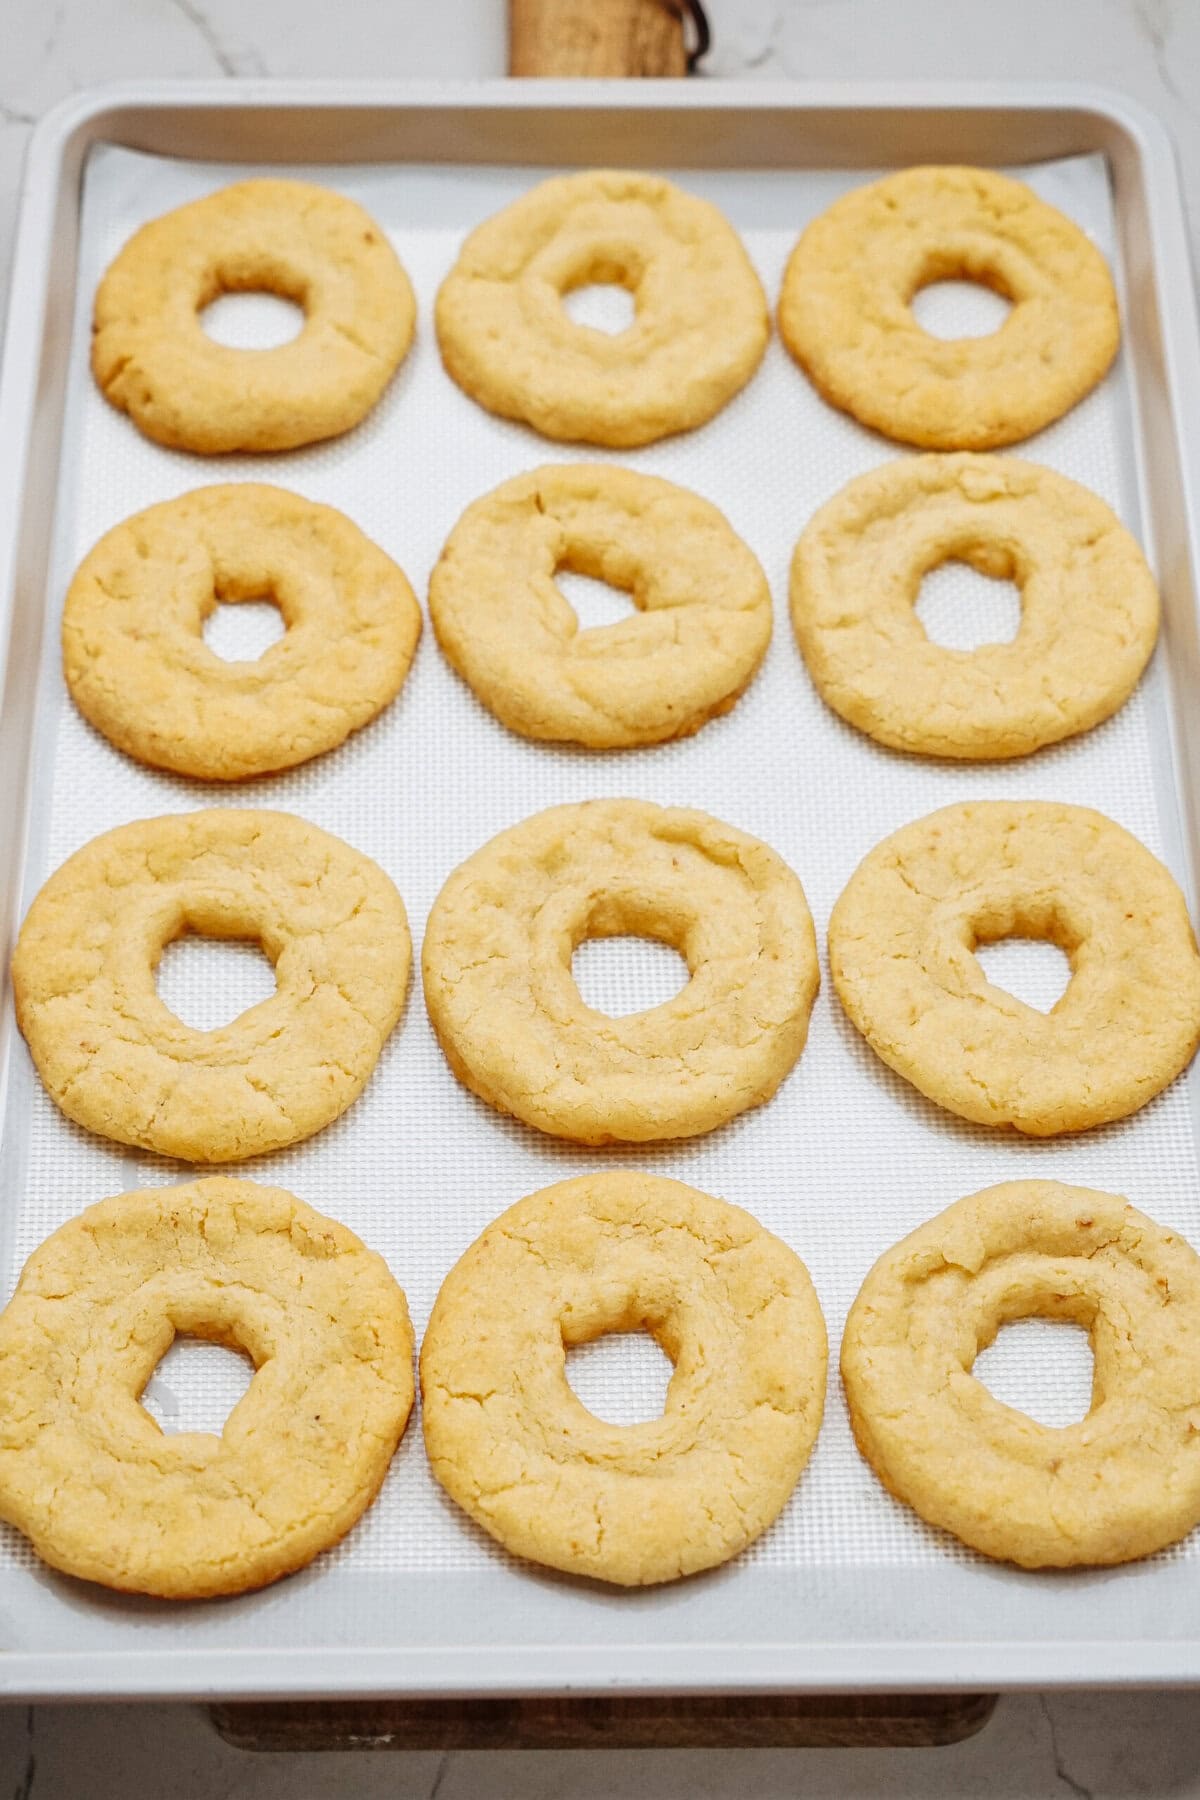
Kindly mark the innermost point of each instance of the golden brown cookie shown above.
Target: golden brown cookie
(86, 1473)
(699, 332)
(116, 1060)
(140, 671)
(1089, 606)
(153, 359)
(513, 1025)
(731, 1306)
(1122, 1482)
(845, 309)
(700, 629)
(902, 939)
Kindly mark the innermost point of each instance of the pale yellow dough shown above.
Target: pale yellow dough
(85, 1471)
(116, 1060)
(701, 625)
(153, 359)
(140, 671)
(1125, 1480)
(1089, 606)
(901, 952)
(513, 1025)
(845, 312)
(701, 321)
(731, 1306)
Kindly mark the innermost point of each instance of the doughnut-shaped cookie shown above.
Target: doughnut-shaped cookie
(1089, 606)
(845, 309)
(1122, 1482)
(901, 951)
(86, 1473)
(115, 1059)
(140, 671)
(153, 359)
(701, 626)
(513, 1025)
(730, 1305)
(700, 329)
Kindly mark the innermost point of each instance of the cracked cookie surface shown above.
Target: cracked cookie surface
(116, 1060)
(903, 934)
(513, 1025)
(1089, 606)
(85, 1471)
(152, 358)
(699, 331)
(845, 308)
(701, 625)
(1122, 1482)
(139, 670)
(732, 1307)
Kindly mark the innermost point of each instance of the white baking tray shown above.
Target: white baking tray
(848, 1590)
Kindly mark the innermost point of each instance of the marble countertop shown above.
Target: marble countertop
(1099, 1747)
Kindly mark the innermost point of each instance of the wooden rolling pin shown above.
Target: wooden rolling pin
(596, 37)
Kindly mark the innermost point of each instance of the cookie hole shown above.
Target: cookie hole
(960, 609)
(243, 630)
(622, 975)
(604, 305)
(621, 1378)
(959, 309)
(1042, 1368)
(252, 321)
(593, 602)
(1030, 969)
(196, 1386)
(209, 982)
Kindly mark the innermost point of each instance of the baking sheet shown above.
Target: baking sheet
(845, 1159)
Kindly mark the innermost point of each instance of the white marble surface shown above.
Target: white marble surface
(1106, 1746)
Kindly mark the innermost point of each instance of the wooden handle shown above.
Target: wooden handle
(737, 1721)
(595, 37)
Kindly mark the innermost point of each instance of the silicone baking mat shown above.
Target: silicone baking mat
(846, 1158)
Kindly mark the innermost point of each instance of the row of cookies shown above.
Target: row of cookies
(102, 1494)
(497, 613)
(139, 670)
(699, 332)
(510, 1019)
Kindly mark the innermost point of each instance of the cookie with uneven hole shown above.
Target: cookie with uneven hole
(902, 938)
(1089, 606)
(152, 358)
(845, 308)
(732, 1307)
(1118, 1484)
(139, 670)
(86, 1473)
(698, 335)
(513, 1025)
(116, 1060)
(700, 629)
